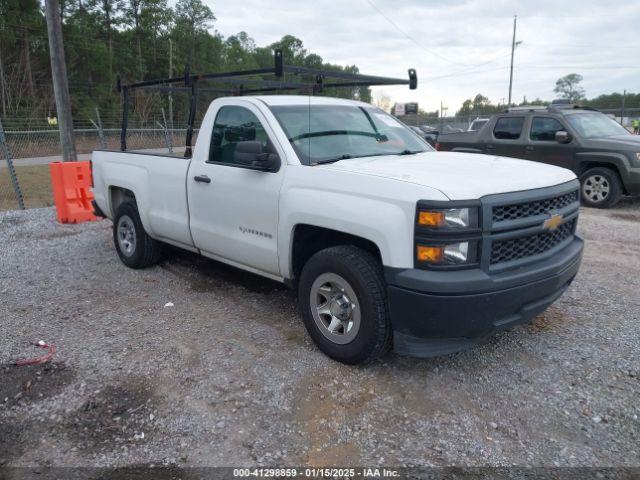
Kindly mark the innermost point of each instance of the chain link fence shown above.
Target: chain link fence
(28, 145)
(32, 141)
(25, 155)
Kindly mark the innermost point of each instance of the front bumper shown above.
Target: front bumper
(439, 312)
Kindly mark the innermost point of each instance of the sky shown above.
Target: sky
(458, 47)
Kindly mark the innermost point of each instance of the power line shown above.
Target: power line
(413, 40)
(584, 67)
(573, 45)
(397, 27)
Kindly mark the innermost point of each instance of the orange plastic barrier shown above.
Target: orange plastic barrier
(71, 182)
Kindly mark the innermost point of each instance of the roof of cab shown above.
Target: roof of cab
(272, 100)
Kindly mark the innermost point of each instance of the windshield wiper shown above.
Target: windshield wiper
(346, 156)
(403, 152)
(332, 160)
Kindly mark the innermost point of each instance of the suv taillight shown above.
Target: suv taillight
(438, 146)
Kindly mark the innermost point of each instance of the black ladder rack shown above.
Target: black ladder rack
(245, 85)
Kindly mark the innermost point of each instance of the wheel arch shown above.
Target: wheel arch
(118, 195)
(614, 162)
(307, 239)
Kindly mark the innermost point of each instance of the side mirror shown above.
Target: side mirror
(250, 153)
(563, 137)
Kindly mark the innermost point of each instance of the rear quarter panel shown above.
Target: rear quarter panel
(469, 142)
(159, 185)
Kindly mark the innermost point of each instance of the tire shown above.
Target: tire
(366, 333)
(600, 187)
(135, 248)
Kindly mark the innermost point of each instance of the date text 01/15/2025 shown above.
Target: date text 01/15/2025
(315, 472)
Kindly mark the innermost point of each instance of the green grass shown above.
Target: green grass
(35, 183)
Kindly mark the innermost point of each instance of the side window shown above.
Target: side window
(544, 129)
(508, 128)
(235, 124)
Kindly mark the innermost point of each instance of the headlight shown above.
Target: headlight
(458, 253)
(638, 156)
(448, 219)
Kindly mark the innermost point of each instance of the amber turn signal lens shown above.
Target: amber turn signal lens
(430, 254)
(431, 219)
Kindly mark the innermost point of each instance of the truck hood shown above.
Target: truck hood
(616, 142)
(460, 176)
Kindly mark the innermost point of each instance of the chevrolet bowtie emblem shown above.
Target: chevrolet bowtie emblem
(552, 222)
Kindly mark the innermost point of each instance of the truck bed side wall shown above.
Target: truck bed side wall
(462, 142)
(158, 183)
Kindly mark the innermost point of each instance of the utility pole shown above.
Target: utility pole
(170, 125)
(624, 95)
(60, 83)
(513, 48)
(442, 109)
(2, 86)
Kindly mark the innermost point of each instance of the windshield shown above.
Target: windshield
(477, 125)
(324, 133)
(591, 125)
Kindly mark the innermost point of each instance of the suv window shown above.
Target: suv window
(544, 129)
(232, 125)
(508, 128)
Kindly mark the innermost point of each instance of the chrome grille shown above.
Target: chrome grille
(521, 247)
(533, 208)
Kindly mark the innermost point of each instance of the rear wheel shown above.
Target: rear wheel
(600, 187)
(135, 248)
(342, 296)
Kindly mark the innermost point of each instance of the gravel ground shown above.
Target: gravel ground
(228, 376)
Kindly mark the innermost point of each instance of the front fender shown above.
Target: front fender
(387, 224)
(619, 160)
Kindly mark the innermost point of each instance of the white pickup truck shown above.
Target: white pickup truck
(389, 243)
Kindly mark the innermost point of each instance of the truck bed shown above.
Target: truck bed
(160, 185)
(460, 142)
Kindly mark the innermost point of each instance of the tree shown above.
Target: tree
(293, 51)
(106, 11)
(239, 52)
(132, 13)
(568, 87)
(136, 39)
(614, 100)
(382, 101)
(194, 18)
(155, 19)
(537, 102)
(479, 105)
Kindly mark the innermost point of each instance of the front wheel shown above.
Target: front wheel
(342, 296)
(600, 188)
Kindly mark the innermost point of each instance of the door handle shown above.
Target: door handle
(489, 147)
(529, 148)
(202, 179)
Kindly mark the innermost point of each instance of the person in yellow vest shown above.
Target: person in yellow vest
(636, 126)
(52, 120)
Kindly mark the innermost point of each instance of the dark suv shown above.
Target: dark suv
(602, 153)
